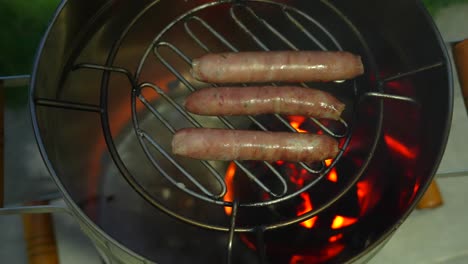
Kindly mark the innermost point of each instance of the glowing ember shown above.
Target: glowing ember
(296, 122)
(341, 221)
(399, 147)
(326, 254)
(297, 259)
(415, 190)
(298, 181)
(248, 242)
(296, 126)
(297, 177)
(333, 175)
(363, 191)
(416, 187)
(306, 207)
(229, 178)
(333, 239)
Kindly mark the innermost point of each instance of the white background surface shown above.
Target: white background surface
(433, 236)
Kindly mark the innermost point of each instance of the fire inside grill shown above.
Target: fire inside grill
(326, 235)
(330, 226)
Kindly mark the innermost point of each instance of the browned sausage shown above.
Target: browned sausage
(288, 100)
(226, 144)
(272, 66)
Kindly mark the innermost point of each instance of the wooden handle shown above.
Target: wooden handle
(460, 54)
(432, 198)
(40, 238)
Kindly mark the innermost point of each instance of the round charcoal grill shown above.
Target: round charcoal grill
(125, 82)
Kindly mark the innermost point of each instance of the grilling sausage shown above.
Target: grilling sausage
(289, 100)
(272, 66)
(226, 144)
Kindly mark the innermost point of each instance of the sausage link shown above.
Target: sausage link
(288, 100)
(226, 144)
(281, 66)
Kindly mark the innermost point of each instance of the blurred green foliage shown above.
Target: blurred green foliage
(435, 5)
(22, 24)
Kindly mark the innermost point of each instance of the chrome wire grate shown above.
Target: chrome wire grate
(188, 21)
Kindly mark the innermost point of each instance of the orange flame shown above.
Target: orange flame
(333, 174)
(341, 221)
(229, 178)
(296, 122)
(296, 126)
(399, 147)
(306, 207)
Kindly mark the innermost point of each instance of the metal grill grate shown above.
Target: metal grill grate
(187, 22)
(293, 17)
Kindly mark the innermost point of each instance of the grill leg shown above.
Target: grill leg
(432, 198)
(39, 235)
(38, 229)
